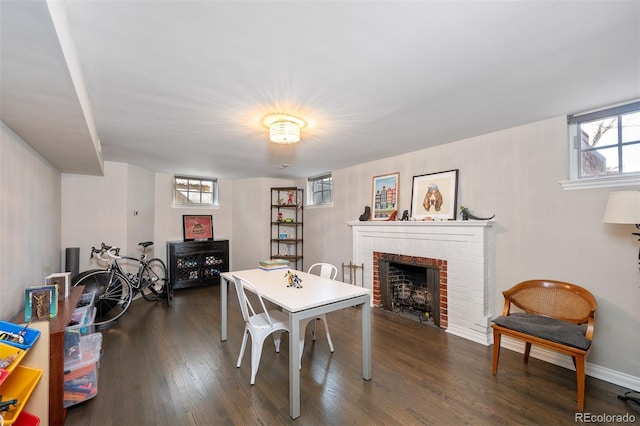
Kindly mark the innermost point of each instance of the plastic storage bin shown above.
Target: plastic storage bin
(81, 376)
(82, 320)
(16, 355)
(19, 385)
(30, 335)
(27, 419)
(87, 300)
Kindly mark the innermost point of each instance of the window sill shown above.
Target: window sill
(318, 206)
(632, 179)
(195, 206)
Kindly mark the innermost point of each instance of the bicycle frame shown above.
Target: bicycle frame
(134, 280)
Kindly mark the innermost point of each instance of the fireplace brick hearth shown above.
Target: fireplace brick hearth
(467, 248)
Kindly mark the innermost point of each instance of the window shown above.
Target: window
(606, 143)
(319, 189)
(195, 191)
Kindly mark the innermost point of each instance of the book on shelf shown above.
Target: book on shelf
(63, 281)
(40, 303)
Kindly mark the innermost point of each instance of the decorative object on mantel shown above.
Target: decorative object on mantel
(384, 197)
(466, 215)
(434, 196)
(293, 280)
(405, 215)
(366, 215)
(393, 216)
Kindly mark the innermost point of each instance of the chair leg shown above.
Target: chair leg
(243, 347)
(496, 350)
(256, 353)
(313, 328)
(303, 332)
(277, 336)
(326, 330)
(527, 351)
(580, 373)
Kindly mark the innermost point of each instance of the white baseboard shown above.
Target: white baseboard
(608, 375)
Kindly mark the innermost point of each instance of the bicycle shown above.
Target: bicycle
(116, 288)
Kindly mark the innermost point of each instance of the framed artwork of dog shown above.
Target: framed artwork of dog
(385, 196)
(434, 196)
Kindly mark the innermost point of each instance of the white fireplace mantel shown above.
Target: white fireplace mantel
(467, 246)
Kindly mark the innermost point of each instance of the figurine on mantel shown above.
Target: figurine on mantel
(466, 215)
(366, 215)
(393, 216)
(405, 215)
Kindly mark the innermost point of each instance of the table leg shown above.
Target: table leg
(294, 366)
(223, 309)
(366, 341)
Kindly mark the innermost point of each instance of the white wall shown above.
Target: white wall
(29, 221)
(94, 211)
(251, 221)
(168, 218)
(140, 210)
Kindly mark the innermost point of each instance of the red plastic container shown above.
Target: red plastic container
(27, 419)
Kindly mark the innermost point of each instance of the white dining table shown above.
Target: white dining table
(316, 296)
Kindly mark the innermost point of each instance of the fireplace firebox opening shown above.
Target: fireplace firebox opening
(414, 287)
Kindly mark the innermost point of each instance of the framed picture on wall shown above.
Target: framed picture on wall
(384, 198)
(435, 196)
(197, 227)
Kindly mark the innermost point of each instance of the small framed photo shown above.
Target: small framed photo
(385, 196)
(435, 196)
(63, 281)
(197, 227)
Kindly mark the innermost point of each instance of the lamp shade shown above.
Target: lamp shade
(623, 207)
(283, 128)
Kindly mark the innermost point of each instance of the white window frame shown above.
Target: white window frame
(310, 190)
(214, 190)
(621, 179)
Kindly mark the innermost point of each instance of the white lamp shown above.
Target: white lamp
(283, 128)
(623, 207)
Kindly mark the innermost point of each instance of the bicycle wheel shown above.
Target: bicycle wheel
(154, 280)
(113, 294)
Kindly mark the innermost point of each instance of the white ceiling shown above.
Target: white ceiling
(180, 86)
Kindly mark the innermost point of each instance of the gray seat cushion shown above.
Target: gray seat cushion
(547, 328)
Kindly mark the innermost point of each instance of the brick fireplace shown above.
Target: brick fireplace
(466, 248)
(425, 262)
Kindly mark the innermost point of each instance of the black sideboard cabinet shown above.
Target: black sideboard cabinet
(197, 263)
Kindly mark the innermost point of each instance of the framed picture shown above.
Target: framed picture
(384, 198)
(63, 281)
(197, 227)
(435, 196)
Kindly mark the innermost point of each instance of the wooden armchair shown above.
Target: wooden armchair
(556, 315)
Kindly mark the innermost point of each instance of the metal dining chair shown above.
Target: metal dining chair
(258, 325)
(325, 270)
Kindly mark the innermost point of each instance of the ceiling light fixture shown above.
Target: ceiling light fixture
(283, 128)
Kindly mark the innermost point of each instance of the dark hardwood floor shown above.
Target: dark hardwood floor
(167, 366)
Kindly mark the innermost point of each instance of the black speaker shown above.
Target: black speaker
(72, 261)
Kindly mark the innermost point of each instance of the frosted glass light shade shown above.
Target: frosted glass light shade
(283, 128)
(623, 207)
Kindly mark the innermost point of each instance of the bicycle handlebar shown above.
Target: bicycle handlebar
(105, 253)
